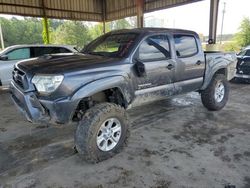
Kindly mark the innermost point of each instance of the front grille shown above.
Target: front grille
(19, 78)
(244, 69)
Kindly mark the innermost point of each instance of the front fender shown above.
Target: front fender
(120, 82)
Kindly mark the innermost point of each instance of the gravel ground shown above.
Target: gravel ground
(173, 143)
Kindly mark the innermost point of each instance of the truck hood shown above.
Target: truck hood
(64, 63)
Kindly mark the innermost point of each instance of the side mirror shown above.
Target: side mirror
(4, 57)
(140, 68)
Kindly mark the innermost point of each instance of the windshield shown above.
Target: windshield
(114, 45)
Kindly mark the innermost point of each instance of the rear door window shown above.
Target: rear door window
(185, 45)
(18, 54)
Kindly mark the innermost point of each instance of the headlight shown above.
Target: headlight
(46, 84)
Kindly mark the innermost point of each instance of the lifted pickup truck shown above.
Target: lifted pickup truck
(117, 71)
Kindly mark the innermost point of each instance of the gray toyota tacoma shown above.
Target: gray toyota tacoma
(113, 73)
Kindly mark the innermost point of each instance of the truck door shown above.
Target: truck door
(153, 54)
(190, 63)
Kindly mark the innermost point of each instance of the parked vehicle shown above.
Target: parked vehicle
(243, 65)
(11, 55)
(115, 72)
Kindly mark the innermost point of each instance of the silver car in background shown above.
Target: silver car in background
(11, 55)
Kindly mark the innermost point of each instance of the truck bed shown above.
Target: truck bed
(217, 56)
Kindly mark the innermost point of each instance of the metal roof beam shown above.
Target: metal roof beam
(87, 10)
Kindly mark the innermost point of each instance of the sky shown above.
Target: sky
(195, 16)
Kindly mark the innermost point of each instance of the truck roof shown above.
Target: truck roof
(154, 30)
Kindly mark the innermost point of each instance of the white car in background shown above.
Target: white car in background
(11, 55)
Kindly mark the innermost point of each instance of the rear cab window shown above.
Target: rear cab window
(154, 48)
(185, 45)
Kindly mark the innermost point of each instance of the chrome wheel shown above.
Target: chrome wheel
(219, 92)
(109, 134)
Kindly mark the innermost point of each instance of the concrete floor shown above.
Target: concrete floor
(174, 143)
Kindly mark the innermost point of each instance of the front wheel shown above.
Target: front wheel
(102, 132)
(215, 96)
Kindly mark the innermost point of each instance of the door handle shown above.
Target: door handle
(198, 62)
(170, 66)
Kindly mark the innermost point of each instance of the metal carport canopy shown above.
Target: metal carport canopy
(86, 10)
(99, 10)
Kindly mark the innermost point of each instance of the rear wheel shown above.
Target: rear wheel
(215, 96)
(102, 132)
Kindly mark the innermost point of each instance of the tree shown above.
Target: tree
(243, 36)
(96, 30)
(231, 46)
(120, 24)
(21, 31)
(30, 31)
(71, 33)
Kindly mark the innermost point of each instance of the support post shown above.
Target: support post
(45, 25)
(104, 16)
(1, 37)
(46, 29)
(140, 13)
(214, 6)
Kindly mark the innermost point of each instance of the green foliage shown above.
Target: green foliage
(32, 31)
(231, 46)
(53, 23)
(243, 36)
(71, 33)
(120, 24)
(25, 31)
(96, 30)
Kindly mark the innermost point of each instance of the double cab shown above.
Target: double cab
(115, 72)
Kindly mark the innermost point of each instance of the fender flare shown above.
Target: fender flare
(211, 71)
(102, 84)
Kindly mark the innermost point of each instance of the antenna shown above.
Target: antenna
(222, 22)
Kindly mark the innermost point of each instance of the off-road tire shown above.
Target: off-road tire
(88, 127)
(208, 95)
